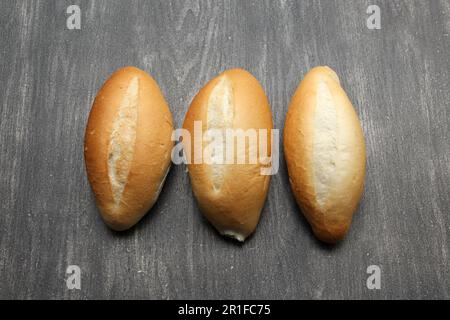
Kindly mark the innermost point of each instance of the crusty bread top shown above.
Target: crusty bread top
(127, 146)
(325, 152)
(230, 195)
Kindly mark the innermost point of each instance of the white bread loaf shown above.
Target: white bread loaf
(127, 146)
(230, 195)
(325, 153)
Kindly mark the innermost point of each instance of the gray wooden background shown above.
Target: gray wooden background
(397, 78)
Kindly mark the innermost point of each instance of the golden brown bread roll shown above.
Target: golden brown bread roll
(325, 153)
(127, 146)
(230, 195)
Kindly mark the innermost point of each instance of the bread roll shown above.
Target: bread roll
(127, 146)
(230, 195)
(325, 154)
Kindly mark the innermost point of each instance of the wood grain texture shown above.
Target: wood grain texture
(397, 78)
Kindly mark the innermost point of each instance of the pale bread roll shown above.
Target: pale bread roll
(127, 146)
(325, 153)
(231, 196)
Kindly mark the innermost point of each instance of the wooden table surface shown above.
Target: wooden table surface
(397, 77)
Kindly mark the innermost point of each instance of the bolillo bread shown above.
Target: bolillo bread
(230, 195)
(127, 146)
(325, 154)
